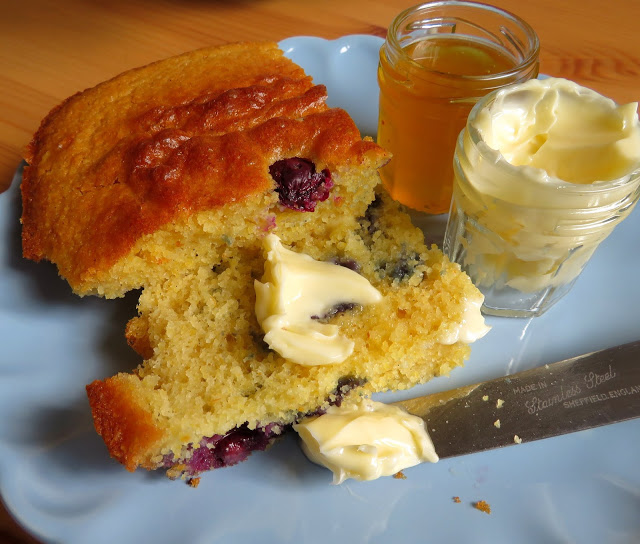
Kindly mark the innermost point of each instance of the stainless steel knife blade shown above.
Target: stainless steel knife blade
(575, 394)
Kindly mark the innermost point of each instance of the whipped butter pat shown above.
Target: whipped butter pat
(366, 441)
(472, 327)
(294, 289)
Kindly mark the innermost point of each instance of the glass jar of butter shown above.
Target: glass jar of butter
(438, 59)
(544, 171)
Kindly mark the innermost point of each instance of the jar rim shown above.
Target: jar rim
(527, 62)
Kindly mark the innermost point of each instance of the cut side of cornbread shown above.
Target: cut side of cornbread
(209, 372)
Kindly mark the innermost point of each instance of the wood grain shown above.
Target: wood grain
(50, 49)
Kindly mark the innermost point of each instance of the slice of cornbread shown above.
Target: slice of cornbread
(168, 178)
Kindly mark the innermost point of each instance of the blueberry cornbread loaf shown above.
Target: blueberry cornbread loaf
(170, 178)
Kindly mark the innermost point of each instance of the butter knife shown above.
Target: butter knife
(580, 393)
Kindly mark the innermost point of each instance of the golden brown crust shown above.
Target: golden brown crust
(158, 143)
(126, 428)
(137, 337)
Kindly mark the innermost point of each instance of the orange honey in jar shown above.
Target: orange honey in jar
(438, 59)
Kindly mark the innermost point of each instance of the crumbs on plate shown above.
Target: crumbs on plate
(483, 506)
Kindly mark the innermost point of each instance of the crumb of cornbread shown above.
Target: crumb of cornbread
(483, 506)
(194, 482)
(457, 500)
(399, 475)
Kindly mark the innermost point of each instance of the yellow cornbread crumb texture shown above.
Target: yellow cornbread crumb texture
(208, 369)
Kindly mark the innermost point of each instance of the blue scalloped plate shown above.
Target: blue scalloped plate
(58, 480)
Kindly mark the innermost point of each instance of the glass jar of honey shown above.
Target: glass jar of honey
(438, 60)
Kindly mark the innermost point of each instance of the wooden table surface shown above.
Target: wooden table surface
(49, 49)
